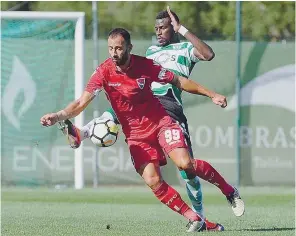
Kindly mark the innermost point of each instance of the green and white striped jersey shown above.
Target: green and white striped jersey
(178, 58)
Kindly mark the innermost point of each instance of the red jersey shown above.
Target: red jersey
(130, 95)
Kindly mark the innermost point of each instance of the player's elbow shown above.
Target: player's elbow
(78, 106)
(83, 101)
(210, 56)
(82, 104)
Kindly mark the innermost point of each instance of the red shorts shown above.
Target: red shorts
(167, 137)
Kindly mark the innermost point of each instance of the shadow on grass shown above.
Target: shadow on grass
(268, 229)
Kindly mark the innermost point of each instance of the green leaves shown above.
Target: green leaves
(209, 20)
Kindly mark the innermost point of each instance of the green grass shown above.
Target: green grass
(134, 211)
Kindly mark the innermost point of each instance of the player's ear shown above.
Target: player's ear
(130, 47)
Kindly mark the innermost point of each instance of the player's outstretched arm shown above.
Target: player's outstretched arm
(201, 50)
(72, 110)
(191, 86)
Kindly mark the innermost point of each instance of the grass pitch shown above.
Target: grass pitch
(134, 211)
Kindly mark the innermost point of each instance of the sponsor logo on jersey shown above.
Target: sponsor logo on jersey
(117, 84)
(141, 82)
(163, 58)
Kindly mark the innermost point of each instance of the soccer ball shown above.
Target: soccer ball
(104, 132)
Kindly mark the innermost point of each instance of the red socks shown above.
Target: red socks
(207, 172)
(170, 197)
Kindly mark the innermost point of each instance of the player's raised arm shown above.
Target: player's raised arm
(201, 50)
(191, 86)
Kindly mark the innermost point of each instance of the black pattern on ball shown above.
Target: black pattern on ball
(109, 132)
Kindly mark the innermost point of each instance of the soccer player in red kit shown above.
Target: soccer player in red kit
(126, 80)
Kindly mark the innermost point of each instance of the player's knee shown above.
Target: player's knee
(153, 181)
(185, 164)
(181, 158)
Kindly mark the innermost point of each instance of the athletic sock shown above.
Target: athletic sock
(170, 197)
(207, 172)
(85, 130)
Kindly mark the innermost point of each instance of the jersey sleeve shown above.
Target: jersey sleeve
(159, 74)
(192, 57)
(95, 83)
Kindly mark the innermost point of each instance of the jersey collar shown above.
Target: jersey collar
(128, 68)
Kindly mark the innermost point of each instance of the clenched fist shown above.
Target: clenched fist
(49, 119)
(219, 100)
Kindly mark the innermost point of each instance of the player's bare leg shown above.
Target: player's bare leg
(150, 172)
(202, 169)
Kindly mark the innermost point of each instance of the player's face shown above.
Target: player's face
(164, 31)
(119, 51)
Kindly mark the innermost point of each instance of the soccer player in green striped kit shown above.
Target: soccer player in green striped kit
(180, 58)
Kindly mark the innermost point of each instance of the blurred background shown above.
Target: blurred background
(252, 144)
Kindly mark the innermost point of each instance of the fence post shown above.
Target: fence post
(238, 87)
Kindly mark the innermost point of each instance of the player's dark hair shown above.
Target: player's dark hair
(165, 14)
(123, 32)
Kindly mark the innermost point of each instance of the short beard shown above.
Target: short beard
(123, 59)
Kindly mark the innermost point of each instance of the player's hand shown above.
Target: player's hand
(175, 24)
(49, 119)
(219, 100)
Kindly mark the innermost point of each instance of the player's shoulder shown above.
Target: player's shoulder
(173, 46)
(142, 64)
(106, 65)
(140, 59)
(152, 49)
(181, 45)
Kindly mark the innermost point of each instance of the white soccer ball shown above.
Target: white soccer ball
(104, 132)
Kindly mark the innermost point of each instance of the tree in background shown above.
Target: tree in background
(16, 6)
(261, 21)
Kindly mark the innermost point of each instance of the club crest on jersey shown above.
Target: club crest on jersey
(141, 82)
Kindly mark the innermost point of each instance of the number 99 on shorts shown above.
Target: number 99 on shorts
(172, 136)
